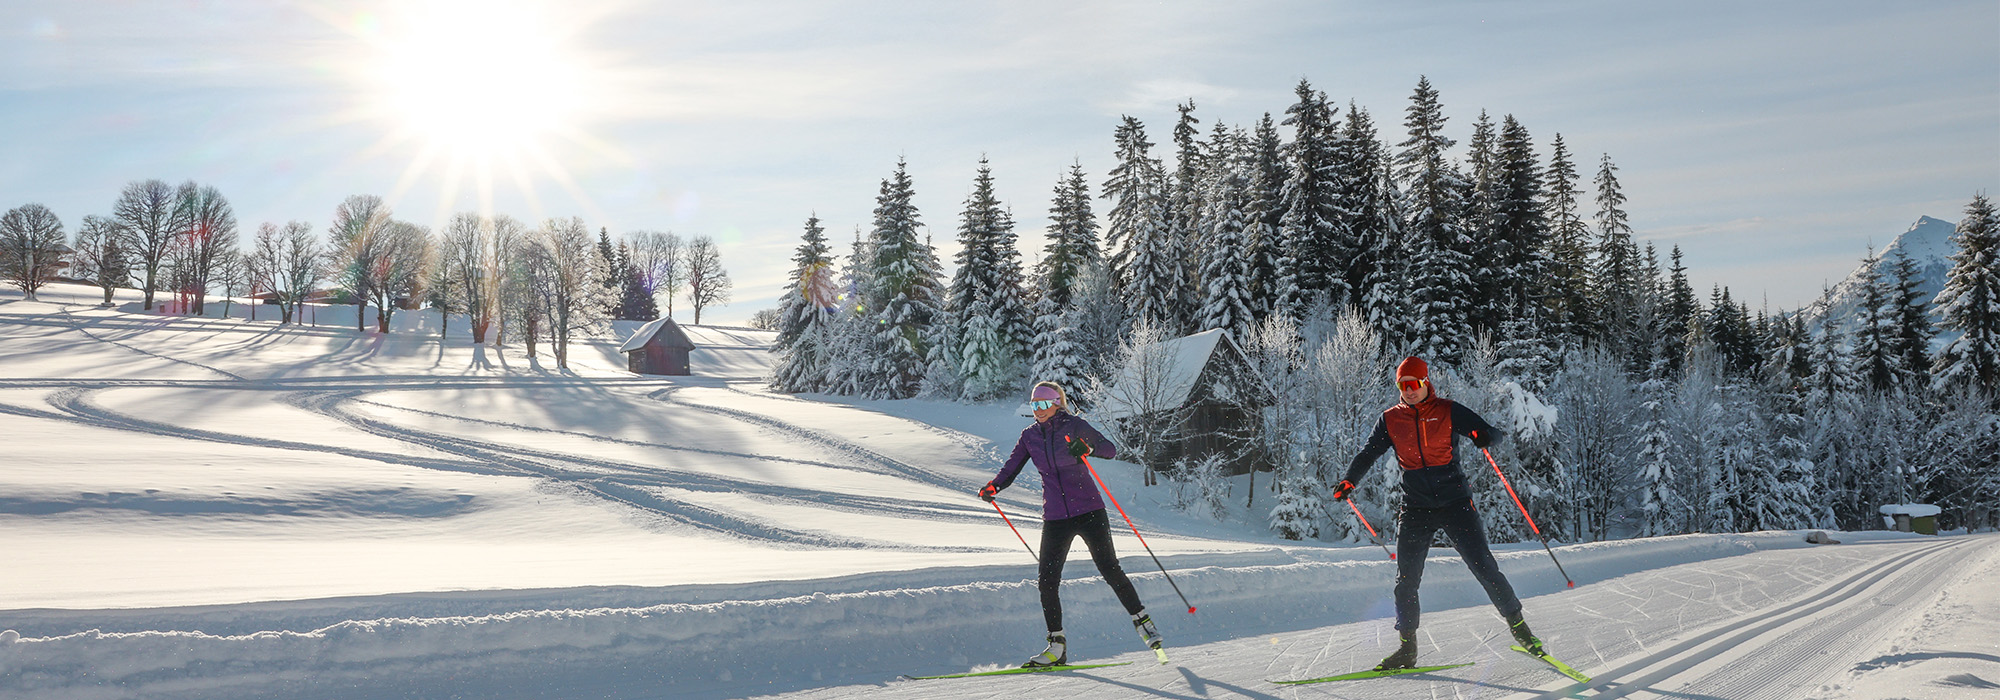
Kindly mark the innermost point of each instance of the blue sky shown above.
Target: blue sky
(1772, 141)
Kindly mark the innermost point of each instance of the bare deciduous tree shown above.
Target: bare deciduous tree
(358, 247)
(288, 263)
(662, 261)
(32, 247)
(563, 269)
(398, 276)
(103, 254)
(708, 283)
(205, 242)
(146, 211)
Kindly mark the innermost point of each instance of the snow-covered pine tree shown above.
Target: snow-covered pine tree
(1969, 305)
(1910, 312)
(851, 345)
(1568, 249)
(903, 291)
(1518, 219)
(1662, 509)
(1441, 285)
(806, 316)
(1617, 275)
(1144, 264)
(1225, 271)
(1794, 501)
(1320, 247)
(1488, 267)
(1184, 226)
(1875, 358)
(986, 299)
(1831, 403)
(1364, 199)
(1386, 299)
(1679, 308)
(1072, 240)
(1265, 213)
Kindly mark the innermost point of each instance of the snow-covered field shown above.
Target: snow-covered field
(222, 508)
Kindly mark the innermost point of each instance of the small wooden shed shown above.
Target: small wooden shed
(660, 347)
(1203, 389)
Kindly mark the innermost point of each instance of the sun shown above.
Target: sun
(477, 79)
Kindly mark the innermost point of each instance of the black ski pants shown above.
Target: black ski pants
(1413, 542)
(1095, 527)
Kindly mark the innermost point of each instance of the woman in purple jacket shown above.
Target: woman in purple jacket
(1071, 506)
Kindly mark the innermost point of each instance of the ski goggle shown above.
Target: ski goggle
(1410, 384)
(1043, 404)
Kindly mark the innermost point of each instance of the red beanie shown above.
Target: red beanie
(1413, 367)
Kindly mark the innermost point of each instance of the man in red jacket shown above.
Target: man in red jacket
(1435, 497)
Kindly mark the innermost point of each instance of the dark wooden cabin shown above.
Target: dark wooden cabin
(660, 347)
(1203, 389)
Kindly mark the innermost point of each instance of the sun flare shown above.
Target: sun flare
(478, 78)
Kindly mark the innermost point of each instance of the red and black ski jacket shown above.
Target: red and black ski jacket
(1422, 436)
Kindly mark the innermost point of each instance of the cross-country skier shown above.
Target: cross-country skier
(1071, 506)
(1435, 497)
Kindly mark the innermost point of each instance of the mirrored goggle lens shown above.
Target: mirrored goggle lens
(1411, 385)
(1042, 404)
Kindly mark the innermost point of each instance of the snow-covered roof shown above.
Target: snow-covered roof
(664, 326)
(1914, 510)
(1171, 371)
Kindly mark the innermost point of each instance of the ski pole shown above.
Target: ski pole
(1017, 532)
(1371, 528)
(1531, 519)
(1135, 531)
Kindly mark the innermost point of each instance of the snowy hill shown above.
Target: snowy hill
(1927, 242)
(222, 508)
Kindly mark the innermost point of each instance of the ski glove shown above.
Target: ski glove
(1341, 491)
(989, 492)
(1079, 448)
(1481, 441)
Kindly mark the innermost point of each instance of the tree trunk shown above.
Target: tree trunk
(479, 333)
(382, 318)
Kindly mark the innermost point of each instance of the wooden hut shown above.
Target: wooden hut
(1199, 394)
(660, 347)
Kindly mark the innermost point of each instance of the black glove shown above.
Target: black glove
(1078, 447)
(1340, 492)
(989, 491)
(1481, 440)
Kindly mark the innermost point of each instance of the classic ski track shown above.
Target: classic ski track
(964, 439)
(614, 482)
(1728, 635)
(75, 406)
(73, 324)
(890, 464)
(687, 480)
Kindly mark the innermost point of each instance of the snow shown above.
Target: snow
(219, 508)
(1928, 243)
(1914, 510)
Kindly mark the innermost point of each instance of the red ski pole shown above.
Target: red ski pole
(1017, 532)
(1371, 528)
(1524, 514)
(1135, 531)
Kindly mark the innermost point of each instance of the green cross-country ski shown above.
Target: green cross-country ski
(1559, 666)
(1010, 671)
(1358, 675)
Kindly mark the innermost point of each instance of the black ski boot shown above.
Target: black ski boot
(1405, 656)
(1518, 625)
(1056, 655)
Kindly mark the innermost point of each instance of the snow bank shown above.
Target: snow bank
(783, 639)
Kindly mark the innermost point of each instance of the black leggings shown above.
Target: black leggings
(1095, 527)
(1413, 543)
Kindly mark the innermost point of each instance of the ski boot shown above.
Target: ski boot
(1518, 625)
(1056, 655)
(1144, 624)
(1405, 656)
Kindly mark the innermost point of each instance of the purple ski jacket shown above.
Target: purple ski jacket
(1067, 489)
